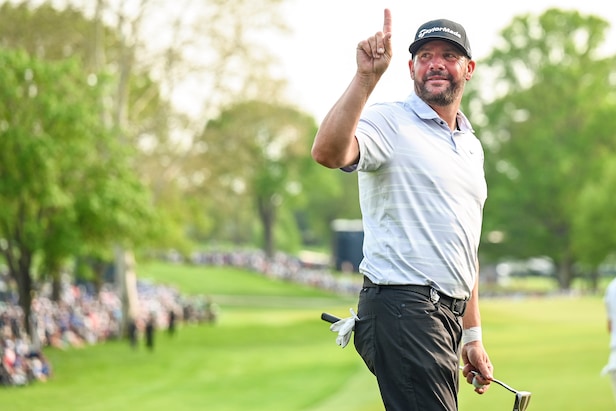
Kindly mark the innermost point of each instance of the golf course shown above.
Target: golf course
(269, 350)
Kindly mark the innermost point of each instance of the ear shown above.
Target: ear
(470, 69)
(411, 69)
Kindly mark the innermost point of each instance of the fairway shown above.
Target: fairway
(270, 351)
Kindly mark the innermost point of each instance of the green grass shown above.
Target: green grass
(270, 351)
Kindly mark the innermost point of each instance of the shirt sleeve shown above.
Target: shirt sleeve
(374, 134)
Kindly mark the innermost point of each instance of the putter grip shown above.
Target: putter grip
(330, 318)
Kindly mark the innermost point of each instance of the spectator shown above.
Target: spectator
(150, 326)
(171, 327)
(610, 307)
(132, 333)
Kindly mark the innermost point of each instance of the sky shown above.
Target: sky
(318, 57)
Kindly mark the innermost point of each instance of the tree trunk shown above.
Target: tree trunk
(565, 272)
(56, 284)
(126, 284)
(54, 272)
(267, 213)
(98, 268)
(19, 270)
(593, 280)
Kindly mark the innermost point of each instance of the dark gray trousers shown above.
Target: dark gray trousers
(412, 346)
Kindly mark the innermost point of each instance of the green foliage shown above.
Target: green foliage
(328, 195)
(66, 185)
(195, 199)
(594, 227)
(62, 169)
(545, 136)
(255, 151)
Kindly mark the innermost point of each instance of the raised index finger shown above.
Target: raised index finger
(387, 22)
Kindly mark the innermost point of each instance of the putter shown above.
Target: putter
(522, 398)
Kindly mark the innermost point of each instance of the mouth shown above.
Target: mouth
(437, 79)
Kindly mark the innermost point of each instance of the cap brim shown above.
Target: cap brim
(416, 45)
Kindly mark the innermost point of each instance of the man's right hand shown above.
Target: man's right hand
(335, 145)
(374, 54)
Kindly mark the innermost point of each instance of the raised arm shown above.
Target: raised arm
(335, 145)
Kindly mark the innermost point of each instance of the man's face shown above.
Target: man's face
(439, 70)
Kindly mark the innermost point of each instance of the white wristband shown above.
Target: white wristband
(471, 334)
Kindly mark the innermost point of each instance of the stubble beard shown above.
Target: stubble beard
(441, 98)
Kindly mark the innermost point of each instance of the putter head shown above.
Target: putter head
(522, 398)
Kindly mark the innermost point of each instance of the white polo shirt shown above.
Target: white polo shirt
(610, 306)
(422, 191)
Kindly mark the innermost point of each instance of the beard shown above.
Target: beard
(443, 97)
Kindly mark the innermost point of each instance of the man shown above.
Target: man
(610, 307)
(422, 191)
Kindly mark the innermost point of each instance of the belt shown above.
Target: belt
(457, 306)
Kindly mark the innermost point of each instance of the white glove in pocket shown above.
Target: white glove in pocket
(344, 328)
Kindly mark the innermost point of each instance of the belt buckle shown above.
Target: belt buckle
(434, 296)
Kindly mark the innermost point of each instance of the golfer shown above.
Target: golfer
(422, 191)
(610, 308)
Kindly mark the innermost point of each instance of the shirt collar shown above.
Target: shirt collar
(425, 112)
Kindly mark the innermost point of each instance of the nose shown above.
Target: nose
(437, 61)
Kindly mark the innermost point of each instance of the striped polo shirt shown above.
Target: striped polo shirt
(422, 191)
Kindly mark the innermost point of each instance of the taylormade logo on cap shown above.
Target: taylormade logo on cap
(441, 29)
(423, 32)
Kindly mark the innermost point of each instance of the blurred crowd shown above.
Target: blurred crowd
(83, 316)
(313, 272)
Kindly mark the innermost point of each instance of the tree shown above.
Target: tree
(175, 63)
(327, 195)
(137, 102)
(594, 226)
(544, 136)
(65, 182)
(209, 54)
(254, 153)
